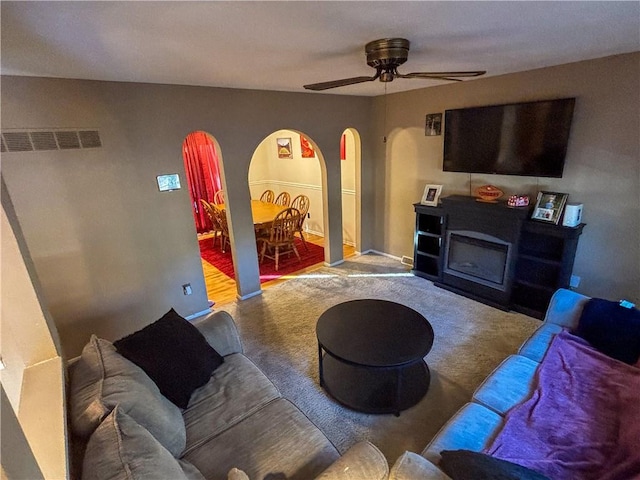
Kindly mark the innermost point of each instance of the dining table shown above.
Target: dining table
(263, 213)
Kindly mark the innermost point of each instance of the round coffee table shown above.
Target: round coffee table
(371, 355)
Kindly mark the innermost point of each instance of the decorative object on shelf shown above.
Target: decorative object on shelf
(488, 193)
(284, 148)
(433, 125)
(572, 215)
(549, 206)
(431, 195)
(518, 201)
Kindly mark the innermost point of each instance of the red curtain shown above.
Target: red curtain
(203, 174)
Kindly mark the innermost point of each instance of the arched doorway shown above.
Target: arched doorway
(350, 157)
(202, 170)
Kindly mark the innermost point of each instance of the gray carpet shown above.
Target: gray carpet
(471, 339)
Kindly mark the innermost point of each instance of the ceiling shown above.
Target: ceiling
(283, 45)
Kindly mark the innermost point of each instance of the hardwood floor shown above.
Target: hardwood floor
(222, 289)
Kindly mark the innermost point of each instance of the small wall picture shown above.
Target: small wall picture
(549, 206)
(431, 195)
(168, 183)
(284, 148)
(306, 148)
(433, 124)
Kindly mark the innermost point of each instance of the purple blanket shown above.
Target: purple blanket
(582, 420)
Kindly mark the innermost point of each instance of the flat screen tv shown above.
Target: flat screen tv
(528, 139)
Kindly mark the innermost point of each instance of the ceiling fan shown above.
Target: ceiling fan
(386, 55)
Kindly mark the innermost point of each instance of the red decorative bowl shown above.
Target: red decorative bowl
(488, 193)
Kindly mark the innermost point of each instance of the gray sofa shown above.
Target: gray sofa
(127, 429)
(477, 422)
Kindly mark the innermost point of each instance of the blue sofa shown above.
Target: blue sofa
(475, 425)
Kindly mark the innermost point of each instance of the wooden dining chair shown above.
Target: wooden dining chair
(301, 203)
(267, 196)
(218, 198)
(221, 217)
(283, 199)
(280, 238)
(215, 226)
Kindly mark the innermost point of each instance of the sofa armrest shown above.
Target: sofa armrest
(362, 460)
(565, 308)
(220, 331)
(411, 466)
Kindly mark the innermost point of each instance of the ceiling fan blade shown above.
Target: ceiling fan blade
(339, 83)
(444, 75)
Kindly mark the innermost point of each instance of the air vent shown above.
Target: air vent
(90, 138)
(68, 140)
(41, 140)
(44, 141)
(18, 141)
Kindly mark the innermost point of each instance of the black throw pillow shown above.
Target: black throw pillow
(174, 354)
(468, 465)
(611, 328)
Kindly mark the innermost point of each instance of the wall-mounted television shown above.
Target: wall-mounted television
(528, 139)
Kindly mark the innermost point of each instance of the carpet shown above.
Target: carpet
(278, 333)
(286, 264)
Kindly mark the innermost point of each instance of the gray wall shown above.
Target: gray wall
(602, 168)
(110, 250)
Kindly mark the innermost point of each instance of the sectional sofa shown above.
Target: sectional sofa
(517, 382)
(236, 426)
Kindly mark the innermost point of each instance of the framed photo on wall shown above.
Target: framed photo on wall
(431, 195)
(284, 148)
(549, 207)
(433, 124)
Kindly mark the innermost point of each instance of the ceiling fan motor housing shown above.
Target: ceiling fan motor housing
(387, 53)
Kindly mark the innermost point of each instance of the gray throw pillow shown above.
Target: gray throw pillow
(103, 378)
(120, 449)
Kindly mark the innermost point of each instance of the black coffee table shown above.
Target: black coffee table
(371, 355)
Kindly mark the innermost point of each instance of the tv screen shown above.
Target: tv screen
(528, 139)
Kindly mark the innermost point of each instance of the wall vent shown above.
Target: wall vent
(41, 140)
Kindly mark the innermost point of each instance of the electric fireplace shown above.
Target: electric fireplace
(478, 257)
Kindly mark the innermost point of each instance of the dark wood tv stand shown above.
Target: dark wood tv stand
(541, 259)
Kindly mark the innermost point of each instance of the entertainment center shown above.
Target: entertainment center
(493, 253)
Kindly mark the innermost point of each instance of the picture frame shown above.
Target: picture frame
(549, 207)
(433, 124)
(284, 147)
(431, 195)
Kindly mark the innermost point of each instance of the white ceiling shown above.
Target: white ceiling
(283, 45)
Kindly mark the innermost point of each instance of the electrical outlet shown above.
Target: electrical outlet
(574, 281)
(186, 289)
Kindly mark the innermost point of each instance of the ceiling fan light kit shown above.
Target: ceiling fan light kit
(386, 55)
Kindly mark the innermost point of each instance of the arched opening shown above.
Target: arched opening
(288, 161)
(350, 162)
(202, 170)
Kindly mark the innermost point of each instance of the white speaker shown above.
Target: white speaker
(572, 215)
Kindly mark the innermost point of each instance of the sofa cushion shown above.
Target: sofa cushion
(102, 379)
(236, 390)
(509, 384)
(174, 354)
(277, 441)
(471, 428)
(362, 461)
(537, 344)
(467, 465)
(122, 449)
(612, 329)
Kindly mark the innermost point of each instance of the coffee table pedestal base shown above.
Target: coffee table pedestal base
(375, 390)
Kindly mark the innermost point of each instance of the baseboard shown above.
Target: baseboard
(198, 314)
(249, 295)
(334, 264)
